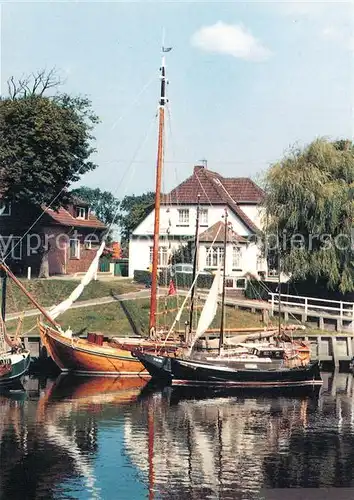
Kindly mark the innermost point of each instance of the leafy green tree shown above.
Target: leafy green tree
(309, 210)
(45, 140)
(103, 203)
(183, 254)
(133, 210)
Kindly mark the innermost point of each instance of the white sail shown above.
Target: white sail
(75, 294)
(209, 309)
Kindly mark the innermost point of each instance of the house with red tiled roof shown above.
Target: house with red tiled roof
(242, 199)
(69, 237)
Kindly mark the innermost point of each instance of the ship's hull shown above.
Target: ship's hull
(12, 372)
(189, 372)
(85, 358)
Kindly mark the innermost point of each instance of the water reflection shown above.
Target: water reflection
(118, 438)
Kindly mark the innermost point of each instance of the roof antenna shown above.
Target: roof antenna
(204, 162)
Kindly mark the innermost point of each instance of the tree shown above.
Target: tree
(309, 212)
(183, 254)
(133, 210)
(45, 140)
(103, 203)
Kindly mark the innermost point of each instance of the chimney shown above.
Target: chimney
(202, 164)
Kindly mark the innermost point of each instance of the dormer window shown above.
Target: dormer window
(81, 212)
(5, 208)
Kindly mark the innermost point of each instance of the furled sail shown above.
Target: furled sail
(75, 294)
(209, 309)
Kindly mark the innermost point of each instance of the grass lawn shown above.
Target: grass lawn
(112, 319)
(51, 291)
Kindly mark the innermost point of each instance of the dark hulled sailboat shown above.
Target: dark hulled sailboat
(261, 367)
(14, 359)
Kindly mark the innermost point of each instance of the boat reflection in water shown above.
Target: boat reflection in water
(214, 446)
(49, 438)
(102, 438)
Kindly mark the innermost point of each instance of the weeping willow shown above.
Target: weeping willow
(309, 210)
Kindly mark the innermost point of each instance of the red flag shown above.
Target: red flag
(172, 288)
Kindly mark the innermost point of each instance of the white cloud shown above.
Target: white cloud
(328, 20)
(341, 36)
(302, 9)
(232, 39)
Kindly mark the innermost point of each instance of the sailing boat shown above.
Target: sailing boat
(94, 356)
(14, 359)
(262, 366)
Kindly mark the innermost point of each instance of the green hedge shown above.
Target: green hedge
(259, 289)
(181, 280)
(142, 277)
(184, 280)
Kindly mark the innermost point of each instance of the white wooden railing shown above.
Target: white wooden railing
(314, 304)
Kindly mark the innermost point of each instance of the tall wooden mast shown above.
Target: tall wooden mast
(195, 266)
(160, 151)
(221, 340)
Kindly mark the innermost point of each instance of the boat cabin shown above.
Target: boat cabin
(269, 352)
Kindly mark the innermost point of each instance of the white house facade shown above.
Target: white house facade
(241, 197)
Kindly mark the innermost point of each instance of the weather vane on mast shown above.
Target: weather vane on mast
(164, 49)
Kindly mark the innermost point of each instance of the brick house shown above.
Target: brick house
(69, 236)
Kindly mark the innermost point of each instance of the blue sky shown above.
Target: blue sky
(247, 80)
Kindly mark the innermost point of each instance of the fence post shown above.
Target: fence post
(111, 268)
(306, 305)
(341, 310)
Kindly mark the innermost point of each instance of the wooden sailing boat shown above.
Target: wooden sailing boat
(92, 355)
(14, 359)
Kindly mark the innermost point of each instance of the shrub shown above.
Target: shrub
(260, 289)
(142, 277)
(184, 280)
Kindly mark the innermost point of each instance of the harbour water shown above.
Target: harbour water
(80, 438)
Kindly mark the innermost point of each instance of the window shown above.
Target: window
(183, 217)
(10, 246)
(214, 257)
(273, 273)
(163, 256)
(273, 265)
(91, 242)
(81, 213)
(203, 217)
(5, 208)
(235, 283)
(74, 248)
(236, 258)
(241, 283)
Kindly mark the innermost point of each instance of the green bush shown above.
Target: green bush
(260, 289)
(184, 280)
(142, 277)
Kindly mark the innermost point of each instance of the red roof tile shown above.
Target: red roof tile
(204, 182)
(217, 231)
(214, 189)
(64, 218)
